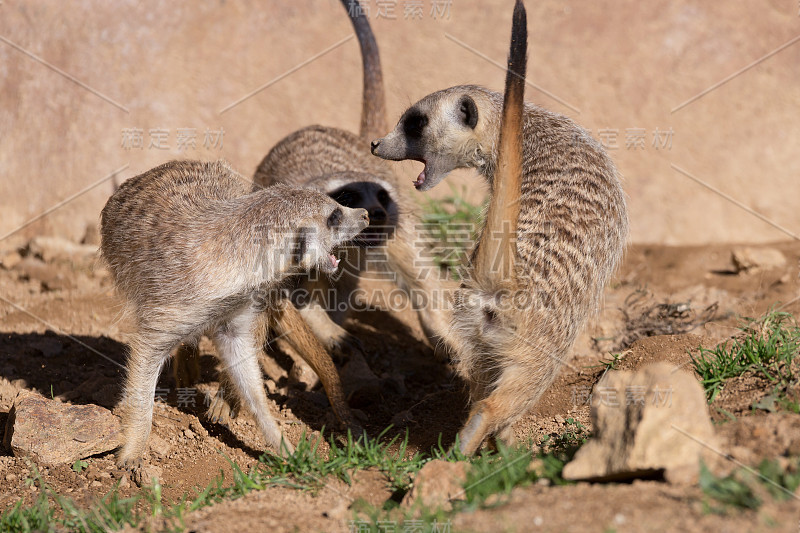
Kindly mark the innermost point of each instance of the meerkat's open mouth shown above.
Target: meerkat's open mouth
(421, 178)
(329, 264)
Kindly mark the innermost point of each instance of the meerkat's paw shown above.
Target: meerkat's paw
(343, 347)
(285, 448)
(349, 423)
(140, 473)
(127, 463)
(220, 411)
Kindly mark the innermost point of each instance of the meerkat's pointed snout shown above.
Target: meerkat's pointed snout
(360, 220)
(374, 145)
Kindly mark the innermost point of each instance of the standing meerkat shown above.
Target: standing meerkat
(554, 235)
(192, 250)
(338, 163)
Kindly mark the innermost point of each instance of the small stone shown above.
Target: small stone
(124, 482)
(159, 446)
(751, 259)
(11, 260)
(145, 475)
(95, 484)
(188, 433)
(302, 376)
(436, 484)
(11, 477)
(198, 428)
(52, 248)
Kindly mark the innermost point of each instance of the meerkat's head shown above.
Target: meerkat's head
(446, 130)
(303, 227)
(358, 190)
(317, 237)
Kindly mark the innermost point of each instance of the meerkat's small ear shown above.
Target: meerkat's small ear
(468, 111)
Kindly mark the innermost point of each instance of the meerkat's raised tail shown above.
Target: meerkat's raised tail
(494, 261)
(373, 107)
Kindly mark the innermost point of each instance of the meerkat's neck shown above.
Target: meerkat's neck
(488, 134)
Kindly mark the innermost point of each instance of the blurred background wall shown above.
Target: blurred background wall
(88, 88)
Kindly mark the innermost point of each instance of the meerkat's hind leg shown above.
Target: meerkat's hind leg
(290, 324)
(333, 336)
(236, 343)
(147, 356)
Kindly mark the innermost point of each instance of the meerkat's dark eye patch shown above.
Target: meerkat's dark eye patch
(347, 197)
(414, 123)
(335, 218)
(384, 198)
(468, 111)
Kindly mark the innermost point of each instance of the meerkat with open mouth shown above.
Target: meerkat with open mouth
(192, 250)
(554, 235)
(338, 163)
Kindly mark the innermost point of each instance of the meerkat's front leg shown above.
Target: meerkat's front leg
(237, 345)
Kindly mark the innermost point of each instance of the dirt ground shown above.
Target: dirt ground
(60, 334)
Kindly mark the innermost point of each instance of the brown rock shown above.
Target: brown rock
(51, 278)
(437, 484)
(56, 248)
(302, 376)
(54, 433)
(159, 446)
(654, 420)
(10, 260)
(755, 259)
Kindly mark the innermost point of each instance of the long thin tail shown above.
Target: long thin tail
(494, 263)
(373, 107)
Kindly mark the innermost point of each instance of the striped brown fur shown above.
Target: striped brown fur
(192, 250)
(511, 339)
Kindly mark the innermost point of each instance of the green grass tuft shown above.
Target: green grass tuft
(766, 346)
(452, 224)
(746, 488)
(306, 469)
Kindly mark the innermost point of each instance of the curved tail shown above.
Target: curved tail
(373, 107)
(494, 262)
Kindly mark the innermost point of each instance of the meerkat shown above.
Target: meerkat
(554, 234)
(338, 163)
(192, 250)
